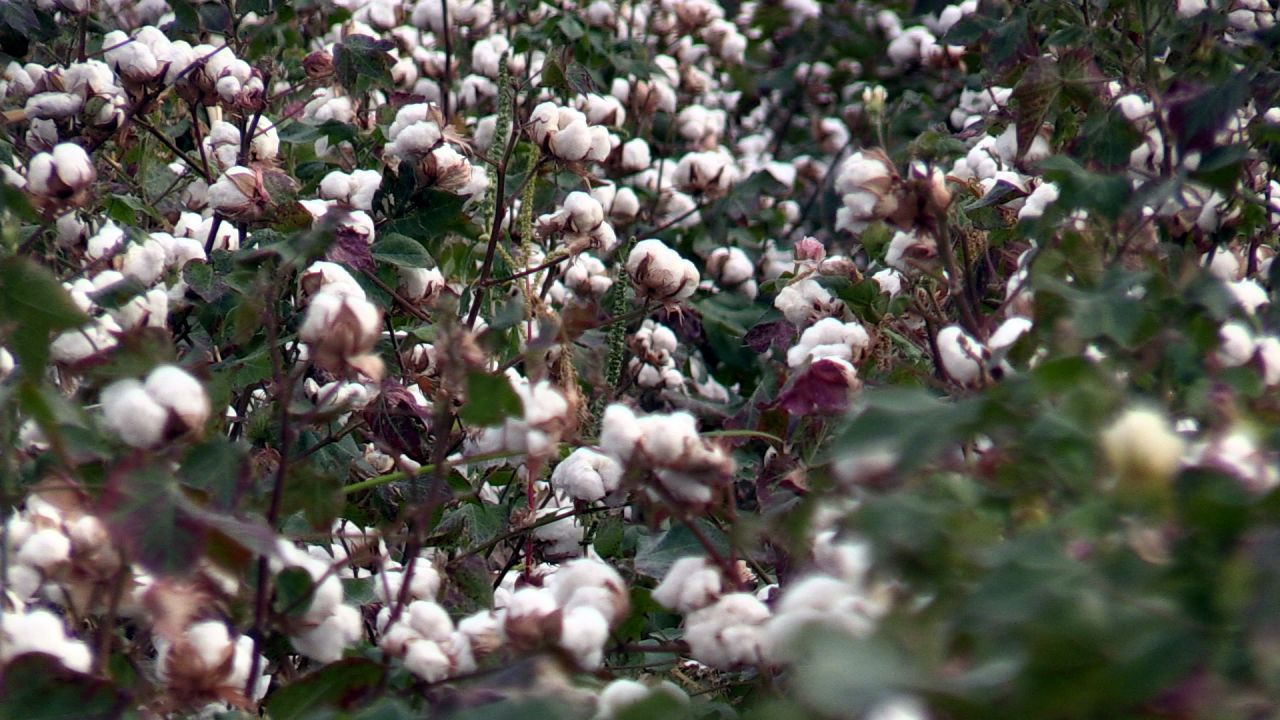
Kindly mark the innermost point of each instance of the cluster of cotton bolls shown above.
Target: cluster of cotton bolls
(653, 362)
(687, 467)
(727, 627)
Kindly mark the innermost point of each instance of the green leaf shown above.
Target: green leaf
(294, 591)
(1103, 194)
(490, 399)
(339, 686)
(36, 686)
(656, 554)
(33, 299)
(435, 214)
(142, 511)
(401, 251)
(361, 63)
(1032, 98)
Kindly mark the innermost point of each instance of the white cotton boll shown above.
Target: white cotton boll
(728, 633)
(133, 414)
(591, 583)
(415, 140)
(1134, 108)
(830, 338)
(1222, 265)
(1009, 332)
(52, 106)
(898, 708)
(430, 620)
(326, 642)
(1236, 344)
(635, 155)
(144, 261)
(585, 212)
(427, 660)
(1269, 354)
(322, 276)
(962, 357)
(210, 641)
(690, 584)
(889, 280)
(620, 432)
(23, 581)
(802, 303)
(1249, 295)
(602, 143)
(660, 273)
(1035, 204)
(544, 121)
(45, 549)
(587, 475)
(563, 537)
(421, 284)
(665, 438)
(6, 364)
(425, 584)
(583, 634)
(150, 308)
(573, 141)
(76, 345)
(177, 391)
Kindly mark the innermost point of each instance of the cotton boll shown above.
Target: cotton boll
(803, 303)
(339, 327)
(1236, 344)
(962, 357)
(1142, 447)
(326, 642)
(830, 338)
(689, 585)
(427, 660)
(144, 262)
(430, 620)
(572, 141)
(177, 391)
(45, 549)
(591, 583)
(583, 634)
(728, 633)
(133, 414)
(635, 155)
(620, 432)
(621, 694)
(587, 475)
(660, 273)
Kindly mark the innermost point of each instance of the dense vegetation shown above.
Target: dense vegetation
(779, 359)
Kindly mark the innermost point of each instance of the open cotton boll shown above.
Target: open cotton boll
(690, 584)
(326, 642)
(660, 273)
(177, 391)
(44, 549)
(41, 631)
(133, 414)
(621, 694)
(583, 634)
(830, 338)
(1142, 447)
(587, 475)
(729, 632)
(591, 583)
(1236, 344)
(803, 303)
(427, 660)
(962, 357)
